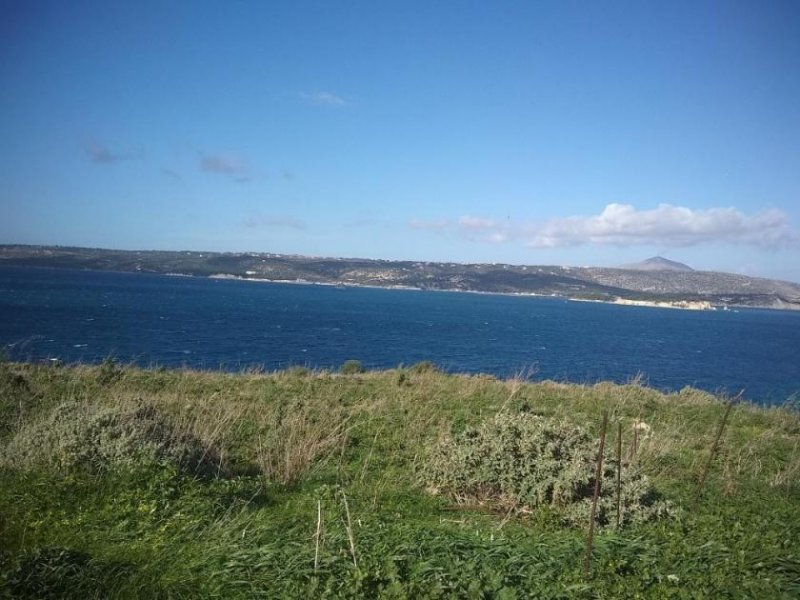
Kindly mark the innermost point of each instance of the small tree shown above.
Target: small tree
(352, 367)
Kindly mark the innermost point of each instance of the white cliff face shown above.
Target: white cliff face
(684, 304)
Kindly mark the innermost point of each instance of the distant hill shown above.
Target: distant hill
(662, 281)
(658, 263)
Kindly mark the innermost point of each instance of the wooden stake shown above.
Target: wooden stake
(349, 528)
(369, 456)
(587, 559)
(619, 470)
(715, 446)
(318, 535)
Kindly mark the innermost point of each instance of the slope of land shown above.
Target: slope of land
(588, 283)
(657, 263)
(311, 488)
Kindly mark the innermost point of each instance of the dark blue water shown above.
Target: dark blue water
(175, 321)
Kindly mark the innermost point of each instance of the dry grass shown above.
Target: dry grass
(297, 440)
(290, 446)
(285, 423)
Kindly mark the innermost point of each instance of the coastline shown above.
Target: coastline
(675, 304)
(698, 305)
(702, 305)
(685, 290)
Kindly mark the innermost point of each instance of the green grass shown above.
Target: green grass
(296, 440)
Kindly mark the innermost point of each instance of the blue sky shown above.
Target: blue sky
(570, 133)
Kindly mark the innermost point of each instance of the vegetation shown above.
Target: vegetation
(525, 462)
(351, 367)
(75, 436)
(121, 482)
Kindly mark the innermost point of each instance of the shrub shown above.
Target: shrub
(108, 372)
(93, 438)
(424, 366)
(298, 371)
(16, 398)
(525, 462)
(352, 367)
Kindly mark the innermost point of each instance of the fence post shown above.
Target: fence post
(587, 559)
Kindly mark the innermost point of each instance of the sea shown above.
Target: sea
(74, 316)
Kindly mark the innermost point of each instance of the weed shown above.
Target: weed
(525, 462)
(298, 371)
(82, 437)
(16, 398)
(296, 438)
(424, 366)
(352, 367)
(109, 371)
(62, 573)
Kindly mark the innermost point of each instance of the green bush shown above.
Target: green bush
(424, 366)
(93, 438)
(352, 367)
(16, 398)
(298, 371)
(108, 372)
(524, 462)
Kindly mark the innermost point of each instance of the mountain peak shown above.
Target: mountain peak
(658, 263)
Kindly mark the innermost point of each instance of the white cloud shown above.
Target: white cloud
(430, 224)
(101, 154)
(323, 99)
(171, 173)
(226, 165)
(473, 228)
(624, 225)
(365, 222)
(487, 230)
(666, 225)
(477, 223)
(258, 222)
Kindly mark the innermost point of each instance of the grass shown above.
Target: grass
(322, 495)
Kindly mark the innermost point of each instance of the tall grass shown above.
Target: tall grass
(293, 444)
